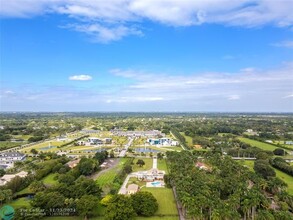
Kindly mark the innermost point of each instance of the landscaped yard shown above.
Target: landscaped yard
(165, 198)
(22, 202)
(287, 179)
(148, 164)
(108, 177)
(188, 139)
(7, 144)
(49, 180)
(261, 145)
(162, 165)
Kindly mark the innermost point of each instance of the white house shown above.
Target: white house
(162, 141)
(7, 159)
(151, 175)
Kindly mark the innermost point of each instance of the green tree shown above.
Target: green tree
(37, 186)
(144, 203)
(140, 162)
(86, 205)
(120, 208)
(2, 172)
(34, 151)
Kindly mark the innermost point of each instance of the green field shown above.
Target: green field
(261, 145)
(22, 202)
(109, 176)
(148, 164)
(287, 179)
(7, 144)
(38, 147)
(247, 163)
(49, 180)
(165, 198)
(162, 165)
(188, 139)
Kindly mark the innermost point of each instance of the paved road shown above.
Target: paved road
(123, 189)
(155, 163)
(126, 146)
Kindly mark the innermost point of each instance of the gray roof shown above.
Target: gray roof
(11, 154)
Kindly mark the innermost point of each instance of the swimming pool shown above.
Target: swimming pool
(156, 183)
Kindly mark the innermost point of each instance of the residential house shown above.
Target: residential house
(162, 141)
(8, 177)
(151, 175)
(73, 163)
(7, 159)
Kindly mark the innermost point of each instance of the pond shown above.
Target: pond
(146, 150)
(47, 148)
(94, 151)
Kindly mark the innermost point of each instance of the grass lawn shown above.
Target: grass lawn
(148, 164)
(162, 165)
(24, 191)
(44, 147)
(188, 139)
(173, 148)
(261, 145)
(248, 163)
(108, 177)
(49, 180)
(165, 198)
(7, 144)
(19, 203)
(287, 179)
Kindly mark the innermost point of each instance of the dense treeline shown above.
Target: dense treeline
(180, 138)
(280, 164)
(224, 189)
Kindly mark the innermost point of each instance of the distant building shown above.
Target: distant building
(95, 141)
(8, 177)
(202, 166)
(289, 142)
(7, 159)
(151, 175)
(162, 141)
(89, 131)
(62, 138)
(73, 163)
(152, 133)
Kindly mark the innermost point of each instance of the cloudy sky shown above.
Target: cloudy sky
(146, 55)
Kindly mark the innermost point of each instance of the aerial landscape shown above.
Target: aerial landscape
(146, 110)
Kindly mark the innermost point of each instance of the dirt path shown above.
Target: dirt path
(112, 165)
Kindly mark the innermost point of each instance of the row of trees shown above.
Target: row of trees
(282, 165)
(121, 207)
(226, 190)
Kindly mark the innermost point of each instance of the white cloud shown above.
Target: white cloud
(287, 44)
(80, 77)
(104, 34)
(248, 69)
(134, 99)
(288, 96)
(234, 97)
(261, 90)
(112, 20)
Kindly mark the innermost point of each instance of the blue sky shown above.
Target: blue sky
(135, 55)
